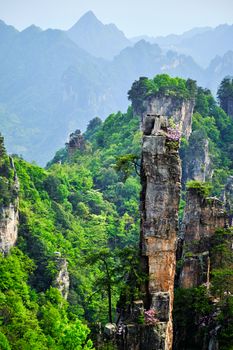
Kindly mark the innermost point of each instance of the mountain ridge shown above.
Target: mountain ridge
(50, 86)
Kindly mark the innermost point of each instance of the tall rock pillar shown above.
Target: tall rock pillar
(161, 184)
(9, 214)
(202, 217)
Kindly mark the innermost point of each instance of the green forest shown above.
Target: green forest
(83, 208)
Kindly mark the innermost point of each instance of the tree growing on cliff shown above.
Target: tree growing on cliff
(225, 93)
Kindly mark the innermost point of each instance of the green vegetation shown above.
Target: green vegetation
(86, 207)
(203, 188)
(210, 123)
(225, 93)
(87, 211)
(198, 313)
(161, 84)
(7, 185)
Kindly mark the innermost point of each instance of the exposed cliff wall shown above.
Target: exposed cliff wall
(180, 110)
(9, 215)
(202, 216)
(76, 142)
(161, 177)
(8, 227)
(62, 279)
(196, 160)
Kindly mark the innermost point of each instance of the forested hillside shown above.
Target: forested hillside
(83, 210)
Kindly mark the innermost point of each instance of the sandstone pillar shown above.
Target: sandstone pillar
(161, 183)
(202, 216)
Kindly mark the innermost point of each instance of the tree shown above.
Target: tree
(225, 95)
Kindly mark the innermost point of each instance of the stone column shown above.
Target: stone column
(202, 216)
(161, 184)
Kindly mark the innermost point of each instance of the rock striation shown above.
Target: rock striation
(202, 216)
(9, 218)
(161, 184)
(196, 160)
(62, 279)
(179, 109)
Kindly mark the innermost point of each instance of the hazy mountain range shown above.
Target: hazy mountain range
(52, 82)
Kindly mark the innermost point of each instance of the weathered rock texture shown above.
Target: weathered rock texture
(228, 199)
(202, 216)
(76, 142)
(181, 111)
(161, 177)
(62, 280)
(196, 161)
(9, 219)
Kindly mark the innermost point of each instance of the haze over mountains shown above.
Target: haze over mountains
(203, 44)
(52, 82)
(100, 40)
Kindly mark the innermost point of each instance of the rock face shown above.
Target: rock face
(9, 219)
(76, 142)
(202, 216)
(62, 280)
(8, 227)
(180, 110)
(161, 177)
(228, 199)
(196, 162)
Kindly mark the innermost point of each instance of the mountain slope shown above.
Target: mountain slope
(96, 38)
(32, 88)
(219, 67)
(203, 44)
(49, 86)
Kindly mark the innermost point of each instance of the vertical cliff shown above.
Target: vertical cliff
(62, 279)
(161, 177)
(8, 227)
(202, 216)
(178, 109)
(196, 160)
(9, 188)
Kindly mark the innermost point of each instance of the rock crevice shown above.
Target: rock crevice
(161, 183)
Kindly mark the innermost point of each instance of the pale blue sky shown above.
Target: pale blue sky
(134, 17)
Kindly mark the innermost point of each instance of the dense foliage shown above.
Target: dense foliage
(225, 93)
(85, 206)
(201, 314)
(160, 85)
(87, 212)
(7, 177)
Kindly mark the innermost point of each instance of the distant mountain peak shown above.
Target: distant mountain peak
(98, 39)
(89, 14)
(89, 18)
(5, 26)
(32, 29)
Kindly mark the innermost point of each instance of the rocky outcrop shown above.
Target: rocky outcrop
(196, 160)
(76, 142)
(161, 177)
(8, 227)
(228, 199)
(62, 279)
(180, 110)
(9, 218)
(202, 216)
